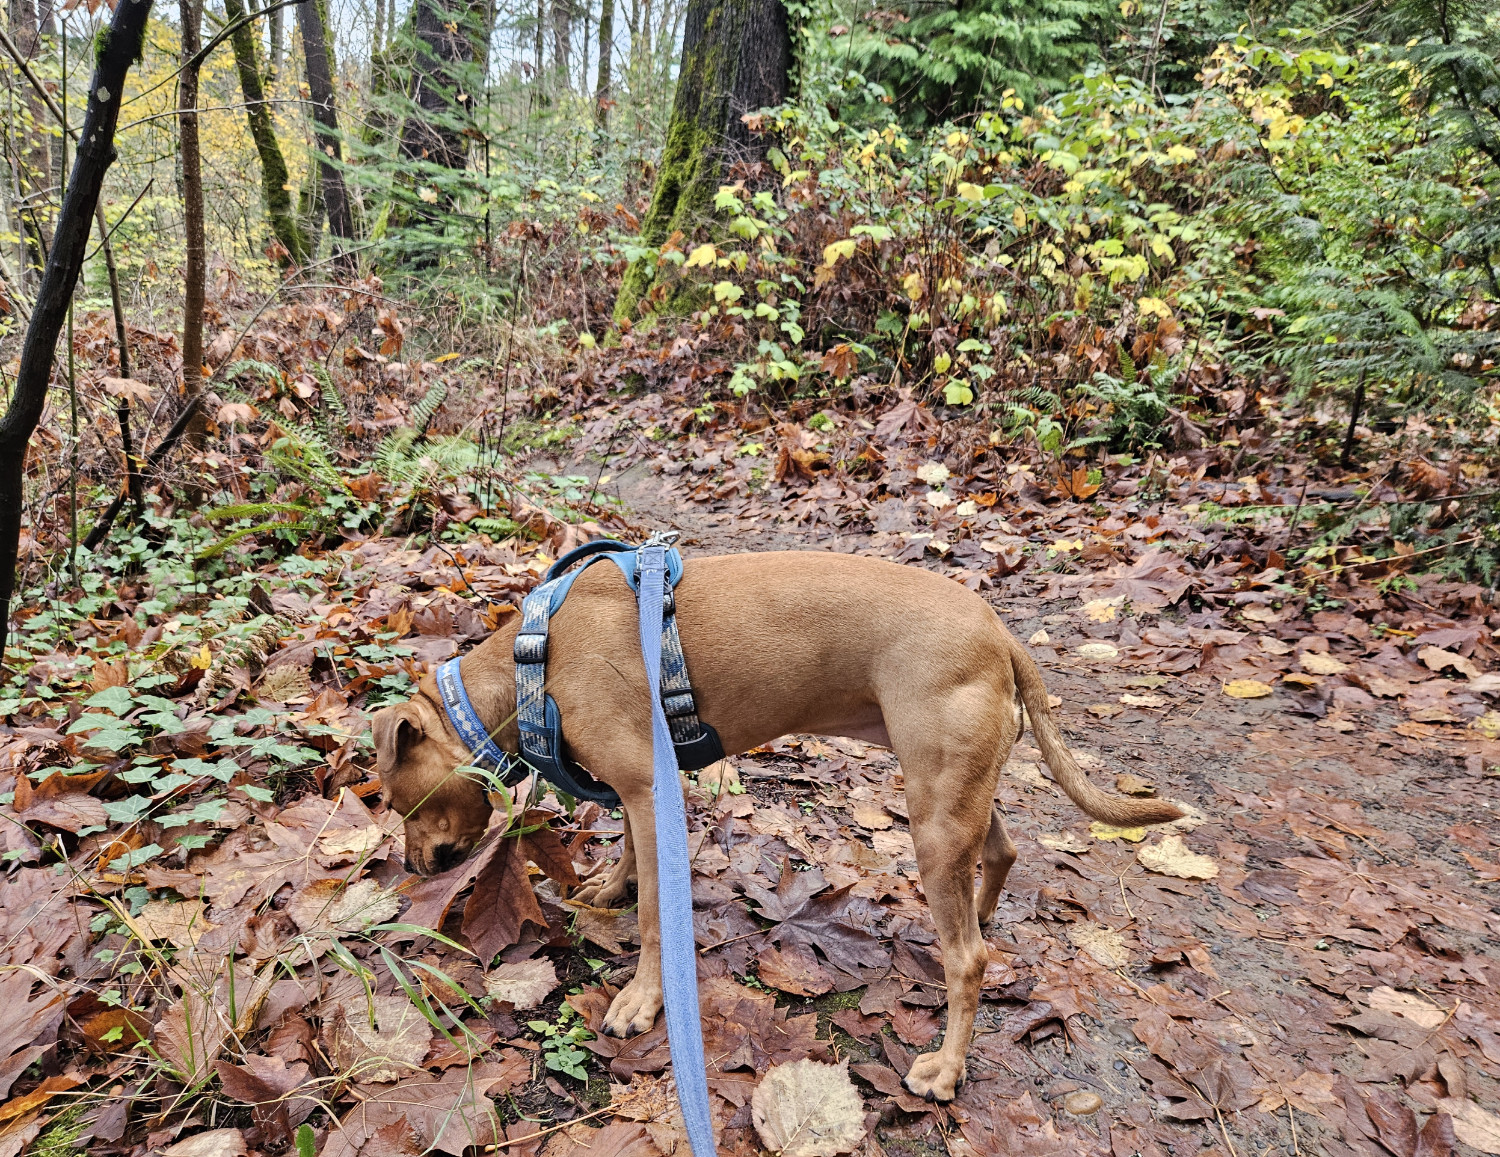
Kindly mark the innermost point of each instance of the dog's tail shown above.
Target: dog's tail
(1112, 809)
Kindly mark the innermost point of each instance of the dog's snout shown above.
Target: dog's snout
(410, 867)
(446, 856)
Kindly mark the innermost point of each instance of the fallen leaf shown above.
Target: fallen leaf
(1097, 652)
(1438, 659)
(449, 1113)
(870, 817)
(391, 1047)
(179, 924)
(1172, 857)
(1104, 944)
(213, 1143)
(1262, 613)
(1104, 710)
(525, 983)
(1102, 610)
(1319, 663)
(1128, 784)
(1066, 842)
(1083, 1103)
(1103, 831)
(1247, 689)
(1473, 1125)
(808, 1109)
(1413, 1008)
(1144, 700)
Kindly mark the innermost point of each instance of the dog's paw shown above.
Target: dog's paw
(605, 893)
(934, 1079)
(634, 1010)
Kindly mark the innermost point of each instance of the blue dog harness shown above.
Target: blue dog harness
(697, 744)
(679, 739)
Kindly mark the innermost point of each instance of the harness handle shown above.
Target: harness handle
(597, 546)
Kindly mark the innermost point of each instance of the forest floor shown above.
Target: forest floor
(1305, 964)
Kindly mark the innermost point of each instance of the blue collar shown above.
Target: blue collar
(466, 721)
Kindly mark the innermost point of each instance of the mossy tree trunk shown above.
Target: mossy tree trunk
(604, 92)
(274, 178)
(736, 58)
(33, 149)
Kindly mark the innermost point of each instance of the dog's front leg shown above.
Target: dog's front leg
(613, 882)
(634, 1009)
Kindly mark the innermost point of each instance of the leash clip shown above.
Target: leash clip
(662, 538)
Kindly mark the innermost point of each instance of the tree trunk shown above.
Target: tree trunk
(276, 34)
(736, 58)
(435, 132)
(192, 200)
(325, 123)
(603, 97)
(377, 39)
(34, 152)
(537, 48)
(115, 52)
(274, 178)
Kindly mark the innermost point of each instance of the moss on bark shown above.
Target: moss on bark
(736, 58)
(274, 177)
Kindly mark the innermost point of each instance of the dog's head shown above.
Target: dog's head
(418, 758)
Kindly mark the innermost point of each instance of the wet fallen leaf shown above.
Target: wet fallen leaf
(1413, 1008)
(1247, 689)
(1472, 1124)
(808, 1109)
(1128, 784)
(1172, 857)
(1066, 842)
(1104, 944)
(1104, 710)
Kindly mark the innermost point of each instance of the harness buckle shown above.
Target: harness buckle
(530, 648)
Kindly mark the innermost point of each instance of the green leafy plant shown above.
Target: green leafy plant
(560, 1041)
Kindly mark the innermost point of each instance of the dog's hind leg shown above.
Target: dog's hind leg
(949, 757)
(609, 886)
(997, 858)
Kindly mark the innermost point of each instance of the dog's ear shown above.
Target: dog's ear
(395, 730)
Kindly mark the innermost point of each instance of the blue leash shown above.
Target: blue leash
(674, 890)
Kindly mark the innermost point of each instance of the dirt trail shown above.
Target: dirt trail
(1339, 959)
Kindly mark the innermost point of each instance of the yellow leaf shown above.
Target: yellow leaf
(1152, 306)
(428, 195)
(1247, 689)
(202, 658)
(844, 248)
(1103, 831)
(446, 358)
(912, 283)
(703, 256)
(970, 192)
(1018, 217)
(1180, 154)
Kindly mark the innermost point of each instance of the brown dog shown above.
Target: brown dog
(776, 644)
